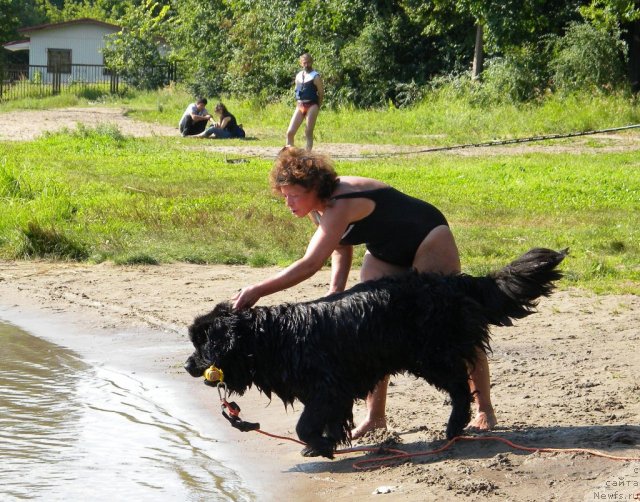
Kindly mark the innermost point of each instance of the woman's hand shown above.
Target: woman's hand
(246, 298)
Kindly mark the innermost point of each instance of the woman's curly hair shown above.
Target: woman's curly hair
(312, 171)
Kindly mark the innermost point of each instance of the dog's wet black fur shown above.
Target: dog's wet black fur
(328, 352)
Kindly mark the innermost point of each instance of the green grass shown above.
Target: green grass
(441, 119)
(95, 194)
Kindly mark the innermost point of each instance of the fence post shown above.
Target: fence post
(56, 80)
(113, 82)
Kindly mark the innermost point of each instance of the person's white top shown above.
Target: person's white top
(192, 109)
(303, 76)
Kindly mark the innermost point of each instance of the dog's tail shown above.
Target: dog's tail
(513, 292)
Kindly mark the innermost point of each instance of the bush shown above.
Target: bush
(409, 94)
(588, 57)
(518, 76)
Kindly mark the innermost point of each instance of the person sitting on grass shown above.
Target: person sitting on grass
(194, 119)
(227, 126)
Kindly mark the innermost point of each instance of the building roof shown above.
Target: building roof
(17, 45)
(49, 26)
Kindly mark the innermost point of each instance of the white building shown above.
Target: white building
(72, 48)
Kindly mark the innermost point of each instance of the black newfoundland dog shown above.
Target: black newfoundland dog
(329, 352)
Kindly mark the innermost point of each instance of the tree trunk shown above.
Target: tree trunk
(478, 54)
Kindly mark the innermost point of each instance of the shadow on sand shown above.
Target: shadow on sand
(615, 440)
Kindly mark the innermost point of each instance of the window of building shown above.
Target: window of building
(59, 60)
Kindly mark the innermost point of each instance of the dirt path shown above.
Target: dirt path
(29, 124)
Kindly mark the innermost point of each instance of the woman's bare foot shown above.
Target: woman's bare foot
(483, 421)
(368, 425)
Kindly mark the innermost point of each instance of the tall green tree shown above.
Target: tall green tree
(9, 20)
(201, 43)
(15, 14)
(623, 16)
(263, 47)
(135, 51)
(102, 10)
(506, 24)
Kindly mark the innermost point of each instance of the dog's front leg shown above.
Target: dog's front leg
(453, 379)
(311, 426)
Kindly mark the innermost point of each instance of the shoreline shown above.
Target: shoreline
(151, 367)
(153, 351)
(564, 377)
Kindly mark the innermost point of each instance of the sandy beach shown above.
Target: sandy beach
(565, 377)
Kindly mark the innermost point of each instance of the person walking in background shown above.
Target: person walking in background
(226, 127)
(194, 119)
(309, 96)
(400, 233)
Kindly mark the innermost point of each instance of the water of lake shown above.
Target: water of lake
(72, 431)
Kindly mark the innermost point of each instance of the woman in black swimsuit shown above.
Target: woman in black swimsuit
(399, 231)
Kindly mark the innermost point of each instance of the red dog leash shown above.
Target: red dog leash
(231, 411)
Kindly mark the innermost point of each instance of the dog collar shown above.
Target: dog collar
(213, 374)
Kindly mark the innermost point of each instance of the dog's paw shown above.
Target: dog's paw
(309, 451)
(455, 430)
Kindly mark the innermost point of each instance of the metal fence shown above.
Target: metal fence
(26, 81)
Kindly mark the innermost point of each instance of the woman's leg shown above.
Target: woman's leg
(215, 132)
(207, 132)
(480, 385)
(294, 125)
(312, 116)
(376, 402)
(439, 253)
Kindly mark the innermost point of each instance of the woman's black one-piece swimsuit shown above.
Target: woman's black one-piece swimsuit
(396, 227)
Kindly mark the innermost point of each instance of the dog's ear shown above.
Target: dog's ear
(201, 324)
(197, 331)
(222, 323)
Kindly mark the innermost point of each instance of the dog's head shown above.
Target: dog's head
(217, 337)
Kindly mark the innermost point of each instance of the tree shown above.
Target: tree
(9, 20)
(263, 46)
(200, 42)
(15, 14)
(367, 49)
(623, 15)
(103, 10)
(134, 52)
(497, 26)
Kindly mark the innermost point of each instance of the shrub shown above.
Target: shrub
(587, 57)
(520, 75)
